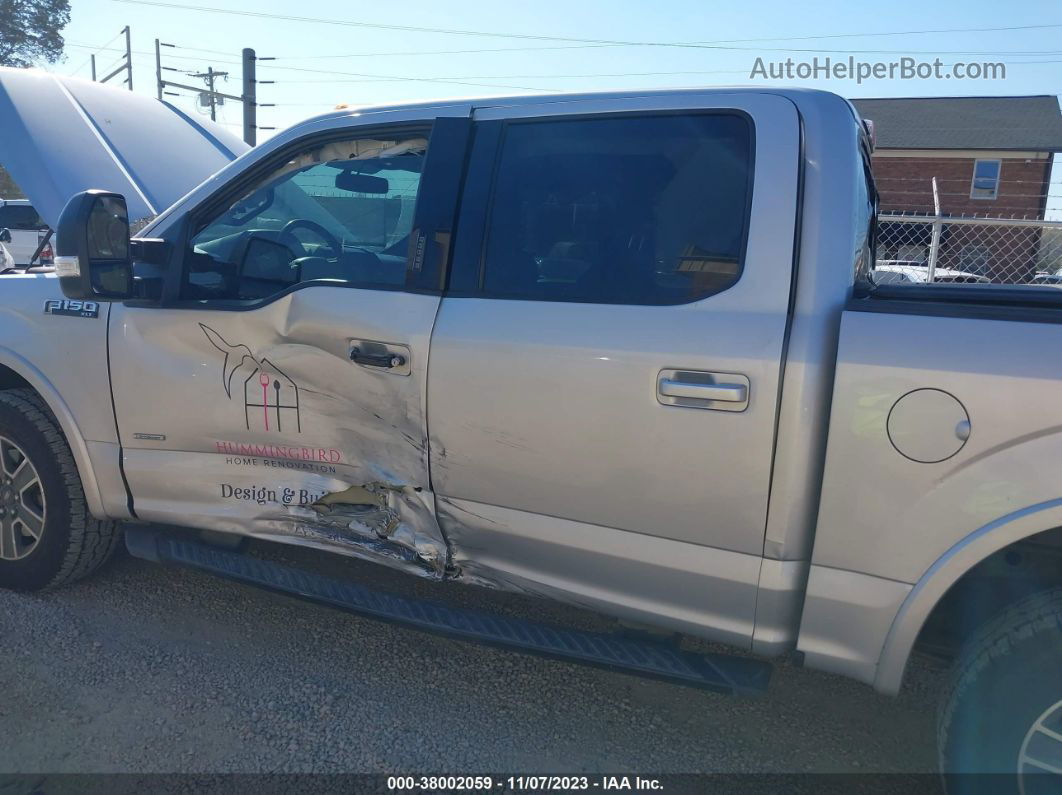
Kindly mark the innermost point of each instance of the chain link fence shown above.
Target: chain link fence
(928, 248)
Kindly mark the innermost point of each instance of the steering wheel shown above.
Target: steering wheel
(287, 235)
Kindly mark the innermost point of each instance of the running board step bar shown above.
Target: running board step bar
(718, 672)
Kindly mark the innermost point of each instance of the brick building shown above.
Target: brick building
(991, 156)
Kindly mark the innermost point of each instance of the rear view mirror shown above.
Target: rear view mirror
(5, 235)
(249, 207)
(361, 183)
(92, 248)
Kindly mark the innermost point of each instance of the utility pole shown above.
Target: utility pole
(250, 98)
(214, 98)
(129, 57)
(126, 65)
(210, 88)
(212, 94)
(159, 85)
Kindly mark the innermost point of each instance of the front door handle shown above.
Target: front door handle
(388, 360)
(731, 393)
(698, 389)
(387, 357)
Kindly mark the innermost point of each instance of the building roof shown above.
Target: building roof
(1030, 123)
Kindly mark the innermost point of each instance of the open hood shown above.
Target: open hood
(61, 135)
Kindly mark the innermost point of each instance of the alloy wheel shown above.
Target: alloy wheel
(1041, 753)
(22, 508)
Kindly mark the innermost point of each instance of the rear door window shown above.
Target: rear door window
(622, 210)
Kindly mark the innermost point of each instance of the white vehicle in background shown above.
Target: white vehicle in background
(1052, 279)
(7, 262)
(902, 271)
(27, 230)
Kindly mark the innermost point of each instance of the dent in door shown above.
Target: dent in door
(319, 454)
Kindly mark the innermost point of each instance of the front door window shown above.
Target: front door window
(338, 213)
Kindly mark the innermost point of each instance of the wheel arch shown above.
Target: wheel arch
(948, 570)
(18, 372)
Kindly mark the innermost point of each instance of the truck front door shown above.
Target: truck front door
(280, 391)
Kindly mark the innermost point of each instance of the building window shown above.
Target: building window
(975, 259)
(985, 184)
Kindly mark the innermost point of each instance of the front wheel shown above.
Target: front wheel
(1001, 713)
(47, 536)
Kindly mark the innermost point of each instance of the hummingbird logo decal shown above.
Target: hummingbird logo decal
(270, 396)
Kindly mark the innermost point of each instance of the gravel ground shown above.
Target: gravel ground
(148, 669)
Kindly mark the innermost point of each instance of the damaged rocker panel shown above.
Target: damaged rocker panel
(389, 519)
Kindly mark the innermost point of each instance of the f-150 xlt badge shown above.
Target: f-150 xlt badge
(71, 307)
(270, 397)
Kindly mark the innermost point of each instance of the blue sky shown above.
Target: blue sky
(321, 63)
(310, 54)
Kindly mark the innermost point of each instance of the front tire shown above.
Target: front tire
(47, 536)
(1002, 710)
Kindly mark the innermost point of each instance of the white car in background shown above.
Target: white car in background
(898, 271)
(1051, 279)
(27, 231)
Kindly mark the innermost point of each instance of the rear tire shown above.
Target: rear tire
(1002, 710)
(47, 536)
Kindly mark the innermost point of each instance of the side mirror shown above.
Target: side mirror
(92, 248)
(5, 235)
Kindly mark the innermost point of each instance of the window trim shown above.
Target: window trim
(196, 218)
(973, 179)
(874, 197)
(494, 154)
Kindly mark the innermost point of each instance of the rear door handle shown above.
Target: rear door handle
(731, 393)
(703, 390)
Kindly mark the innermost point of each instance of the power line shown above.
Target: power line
(520, 77)
(96, 51)
(410, 53)
(465, 80)
(386, 78)
(372, 77)
(907, 32)
(147, 53)
(727, 48)
(574, 40)
(563, 77)
(380, 77)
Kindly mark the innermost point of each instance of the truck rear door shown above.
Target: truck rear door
(605, 366)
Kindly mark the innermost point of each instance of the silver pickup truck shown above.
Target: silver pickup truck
(620, 350)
